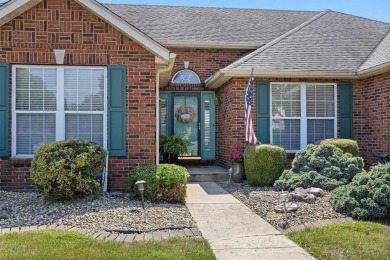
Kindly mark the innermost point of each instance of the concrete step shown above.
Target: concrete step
(208, 173)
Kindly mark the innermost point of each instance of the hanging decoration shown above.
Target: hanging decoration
(185, 114)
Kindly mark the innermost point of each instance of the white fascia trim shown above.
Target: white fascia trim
(374, 70)
(222, 76)
(212, 44)
(126, 28)
(14, 8)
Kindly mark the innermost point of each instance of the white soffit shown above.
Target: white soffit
(14, 8)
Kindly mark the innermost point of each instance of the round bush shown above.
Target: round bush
(322, 166)
(346, 145)
(264, 164)
(164, 182)
(66, 170)
(367, 196)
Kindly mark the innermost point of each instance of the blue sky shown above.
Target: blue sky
(374, 9)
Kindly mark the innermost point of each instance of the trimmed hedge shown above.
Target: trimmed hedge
(322, 166)
(164, 182)
(367, 196)
(264, 164)
(346, 145)
(66, 170)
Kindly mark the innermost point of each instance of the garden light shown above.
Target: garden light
(141, 188)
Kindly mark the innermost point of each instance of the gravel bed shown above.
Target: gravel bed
(101, 213)
(262, 201)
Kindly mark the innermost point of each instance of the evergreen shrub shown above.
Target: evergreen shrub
(322, 166)
(264, 164)
(367, 196)
(66, 170)
(164, 182)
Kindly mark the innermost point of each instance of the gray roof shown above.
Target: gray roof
(205, 24)
(332, 41)
(380, 55)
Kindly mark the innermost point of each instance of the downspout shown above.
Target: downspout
(172, 57)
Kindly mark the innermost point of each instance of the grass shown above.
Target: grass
(50, 244)
(351, 240)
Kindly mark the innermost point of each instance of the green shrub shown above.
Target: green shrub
(322, 166)
(66, 170)
(367, 196)
(164, 182)
(346, 145)
(264, 164)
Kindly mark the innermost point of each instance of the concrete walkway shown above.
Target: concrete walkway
(233, 230)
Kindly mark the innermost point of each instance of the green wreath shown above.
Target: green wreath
(185, 114)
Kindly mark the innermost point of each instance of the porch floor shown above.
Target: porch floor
(206, 173)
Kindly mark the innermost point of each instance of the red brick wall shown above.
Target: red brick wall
(204, 61)
(368, 120)
(372, 129)
(88, 40)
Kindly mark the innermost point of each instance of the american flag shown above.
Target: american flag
(250, 135)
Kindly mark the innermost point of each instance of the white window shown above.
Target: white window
(53, 103)
(186, 76)
(302, 113)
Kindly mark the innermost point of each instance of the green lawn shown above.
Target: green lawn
(351, 240)
(51, 244)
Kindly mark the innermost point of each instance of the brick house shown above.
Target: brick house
(121, 75)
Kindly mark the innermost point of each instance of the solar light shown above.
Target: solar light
(141, 188)
(283, 199)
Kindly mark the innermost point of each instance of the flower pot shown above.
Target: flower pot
(237, 172)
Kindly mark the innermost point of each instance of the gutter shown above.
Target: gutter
(171, 62)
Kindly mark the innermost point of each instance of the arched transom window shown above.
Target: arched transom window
(186, 76)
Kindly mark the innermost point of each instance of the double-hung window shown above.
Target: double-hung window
(302, 113)
(53, 103)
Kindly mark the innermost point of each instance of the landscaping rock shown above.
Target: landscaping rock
(316, 192)
(262, 200)
(104, 213)
(290, 208)
(309, 198)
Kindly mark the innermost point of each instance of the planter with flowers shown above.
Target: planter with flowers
(236, 157)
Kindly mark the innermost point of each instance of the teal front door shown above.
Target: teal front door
(190, 115)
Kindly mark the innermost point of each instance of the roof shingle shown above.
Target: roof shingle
(332, 42)
(205, 24)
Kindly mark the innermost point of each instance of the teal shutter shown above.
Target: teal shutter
(117, 110)
(208, 126)
(345, 110)
(263, 112)
(4, 110)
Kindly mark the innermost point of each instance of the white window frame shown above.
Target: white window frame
(303, 118)
(186, 82)
(60, 110)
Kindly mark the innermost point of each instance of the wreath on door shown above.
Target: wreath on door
(185, 114)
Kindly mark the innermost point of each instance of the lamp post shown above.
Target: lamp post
(141, 188)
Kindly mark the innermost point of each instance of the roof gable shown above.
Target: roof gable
(332, 41)
(380, 56)
(13, 8)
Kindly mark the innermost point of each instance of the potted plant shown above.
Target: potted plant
(171, 147)
(236, 157)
